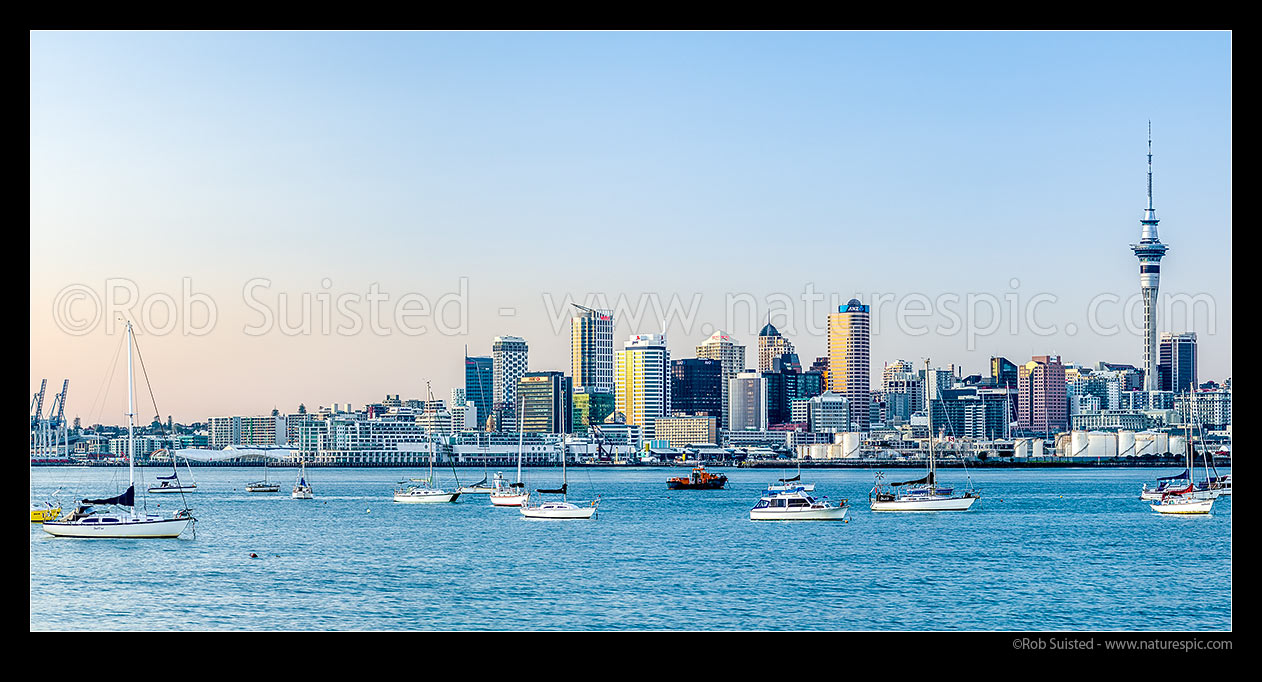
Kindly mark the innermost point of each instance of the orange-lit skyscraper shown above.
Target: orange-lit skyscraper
(849, 352)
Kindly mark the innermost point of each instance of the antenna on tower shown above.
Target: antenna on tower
(1149, 164)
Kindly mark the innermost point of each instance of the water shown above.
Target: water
(1070, 549)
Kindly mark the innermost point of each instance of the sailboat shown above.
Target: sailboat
(792, 483)
(559, 509)
(172, 483)
(263, 486)
(86, 522)
(1183, 485)
(922, 494)
(426, 492)
(302, 489)
(514, 494)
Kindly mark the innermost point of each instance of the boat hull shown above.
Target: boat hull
(476, 491)
(508, 500)
(172, 489)
(302, 495)
(923, 505)
(262, 488)
(560, 513)
(426, 498)
(708, 485)
(1194, 507)
(153, 528)
(778, 514)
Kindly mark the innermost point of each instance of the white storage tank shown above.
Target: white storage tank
(1101, 445)
(1021, 448)
(1126, 444)
(1146, 443)
(1178, 444)
(1036, 447)
(1078, 444)
(1163, 443)
(850, 444)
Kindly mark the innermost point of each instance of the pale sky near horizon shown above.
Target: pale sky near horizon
(715, 167)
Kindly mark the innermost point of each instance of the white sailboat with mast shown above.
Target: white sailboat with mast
(263, 486)
(559, 509)
(172, 483)
(923, 494)
(426, 492)
(86, 522)
(514, 494)
(302, 488)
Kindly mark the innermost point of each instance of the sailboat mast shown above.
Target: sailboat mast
(131, 420)
(929, 407)
(520, 435)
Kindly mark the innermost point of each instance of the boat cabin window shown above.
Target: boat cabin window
(109, 520)
(91, 520)
(762, 504)
(778, 502)
(799, 502)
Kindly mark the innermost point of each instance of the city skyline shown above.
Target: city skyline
(723, 147)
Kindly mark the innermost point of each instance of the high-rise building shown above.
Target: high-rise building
(903, 390)
(771, 345)
(849, 331)
(511, 362)
(1042, 402)
(1149, 251)
(1177, 365)
(696, 387)
(1003, 372)
(748, 391)
(590, 407)
(545, 402)
(591, 349)
(642, 380)
(479, 385)
(731, 355)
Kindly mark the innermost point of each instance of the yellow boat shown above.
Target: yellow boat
(44, 511)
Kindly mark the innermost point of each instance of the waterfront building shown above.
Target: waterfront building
(1176, 368)
(510, 362)
(748, 395)
(247, 431)
(683, 430)
(479, 386)
(1041, 395)
(849, 331)
(772, 345)
(971, 412)
(642, 380)
(590, 407)
(591, 350)
(696, 386)
(545, 402)
(828, 413)
(1113, 420)
(731, 355)
(1149, 251)
(1213, 407)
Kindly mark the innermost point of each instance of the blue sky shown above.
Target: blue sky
(688, 164)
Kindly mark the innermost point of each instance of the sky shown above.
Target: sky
(424, 192)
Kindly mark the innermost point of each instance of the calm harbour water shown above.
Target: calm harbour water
(1069, 549)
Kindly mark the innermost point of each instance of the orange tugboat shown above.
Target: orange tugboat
(699, 480)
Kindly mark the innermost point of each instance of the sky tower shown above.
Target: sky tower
(1149, 251)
